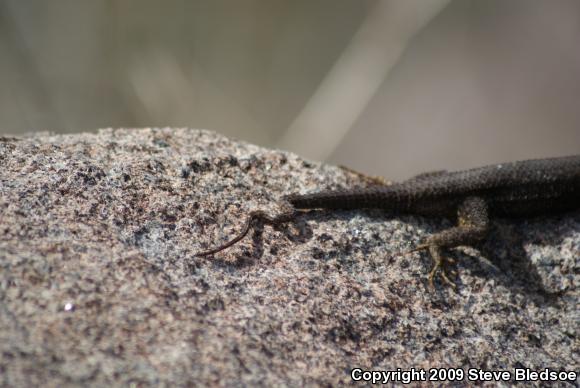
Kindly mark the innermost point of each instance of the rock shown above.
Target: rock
(99, 283)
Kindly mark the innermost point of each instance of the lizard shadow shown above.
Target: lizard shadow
(504, 255)
(506, 259)
(509, 262)
(295, 231)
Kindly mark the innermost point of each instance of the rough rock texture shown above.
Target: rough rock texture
(99, 283)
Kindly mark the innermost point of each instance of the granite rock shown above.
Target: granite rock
(100, 285)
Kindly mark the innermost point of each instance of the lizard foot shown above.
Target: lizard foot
(440, 265)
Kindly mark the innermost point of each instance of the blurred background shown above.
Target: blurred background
(389, 87)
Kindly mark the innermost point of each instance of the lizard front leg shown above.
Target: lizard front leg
(473, 226)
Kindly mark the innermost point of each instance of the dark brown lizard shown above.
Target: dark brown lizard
(518, 189)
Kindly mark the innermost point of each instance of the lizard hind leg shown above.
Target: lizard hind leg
(473, 225)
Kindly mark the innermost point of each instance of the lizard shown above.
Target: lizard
(473, 197)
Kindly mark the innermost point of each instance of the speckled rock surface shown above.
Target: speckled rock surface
(99, 284)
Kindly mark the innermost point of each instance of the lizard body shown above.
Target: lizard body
(518, 189)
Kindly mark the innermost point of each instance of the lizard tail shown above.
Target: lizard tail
(382, 197)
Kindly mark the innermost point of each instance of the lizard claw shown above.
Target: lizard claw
(439, 266)
(446, 279)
